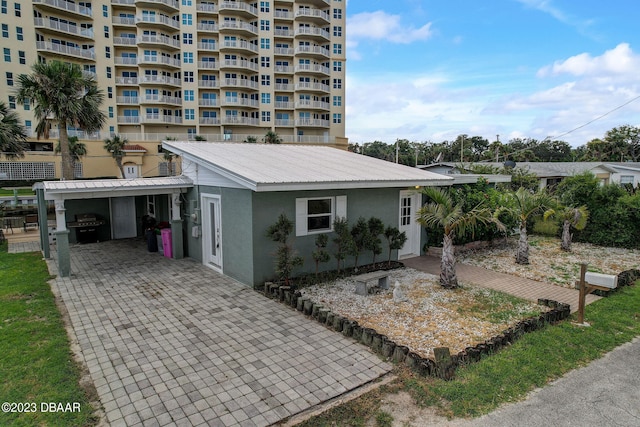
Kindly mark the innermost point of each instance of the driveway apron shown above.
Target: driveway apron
(171, 342)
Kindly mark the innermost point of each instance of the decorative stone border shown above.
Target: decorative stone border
(444, 364)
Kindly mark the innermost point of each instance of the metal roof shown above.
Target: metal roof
(98, 188)
(271, 167)
(540, 169)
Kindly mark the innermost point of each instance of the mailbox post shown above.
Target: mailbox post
(590, 282)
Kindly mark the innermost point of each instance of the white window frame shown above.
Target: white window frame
(627, 179)
(338, 210)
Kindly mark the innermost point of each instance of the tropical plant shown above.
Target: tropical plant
(395, 240)
(443, 212)
(321, 254)
(251, 139)
(361, 237)
(522, 205)
(62, 93)
(199, 138)
(77, 149)
(13, 135)
(272, 138)
(286, 258)
(571, 217)
(343, 240)
(115, 146)
(374, 244)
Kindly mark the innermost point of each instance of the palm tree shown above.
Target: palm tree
(272, 138)
(62, 93)
(76, 150)
(13, 135)
(115, 146)
(571, 218)
(523, 204)
(442, 212)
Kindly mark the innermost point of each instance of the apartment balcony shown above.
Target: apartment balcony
(242, 83)
(284, 87)
(235, 27)
(167, 5)
(284, 105)
(317, 51)
(312, 69)
(158, 41)
(128, 100)
(208, 102)
(125, 61)
(119, 21)
(313, 105)
(314, 123)
(128, 120)
(159, 80)
(207, 28)
(318, 16)
(209, 121)
(55, 27)
(206, 8)
(207, 84)
(283, 51)
(209, 47)
(207, 65)
(318, 3)
(124, 2)
(235, 120)
(159, 60)
(64, 6)
(279, 32)
(313, 32)
(313, 87)
(124, 41)
(238, 45)
(160, 119)
(285, 123)
(237, 9)
(160, 99)
(241, 64)
(282, 15)
(58, 49)
(234, 101)
(283, 69)
(127, 81)
(157, 21)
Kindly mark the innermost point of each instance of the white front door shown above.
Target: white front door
(211, 232)
(130, 171)
(123, 217)
(409, 204)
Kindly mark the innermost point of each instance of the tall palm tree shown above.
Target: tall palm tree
(571, 217)
(77, 149)
(115, 146)
(442, 212)
(13, 135)
(62, 93)
(523, 204)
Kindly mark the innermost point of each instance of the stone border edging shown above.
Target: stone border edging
(444, 365)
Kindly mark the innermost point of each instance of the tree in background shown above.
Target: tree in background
(271, 138)
(62, 93)
(13, 135)
(571, 217)
(77, 149)
(115, 146)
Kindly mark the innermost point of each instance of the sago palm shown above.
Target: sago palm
(571, 217)
(64, 94)
(444, 213)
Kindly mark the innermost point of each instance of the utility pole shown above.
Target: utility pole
(397, 148)
(462, 150)
(497, 147)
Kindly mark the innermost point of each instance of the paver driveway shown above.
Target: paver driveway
(171, 342)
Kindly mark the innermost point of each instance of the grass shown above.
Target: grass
(21, 192)
(35, 359)
(510, 374)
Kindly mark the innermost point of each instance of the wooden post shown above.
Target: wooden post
(583, 293)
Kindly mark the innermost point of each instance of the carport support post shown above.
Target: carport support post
(62, 240)
(177, 244)
(42, 220)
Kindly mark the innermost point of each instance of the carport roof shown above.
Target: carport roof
(99, 188)
(283, 167)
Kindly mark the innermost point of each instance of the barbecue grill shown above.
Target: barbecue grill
(86, 226)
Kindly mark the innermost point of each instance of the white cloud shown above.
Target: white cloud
(546, 6)
(618, 61)
(380, 25)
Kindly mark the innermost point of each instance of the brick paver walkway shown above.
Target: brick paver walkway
(518, 286)
(171, 342)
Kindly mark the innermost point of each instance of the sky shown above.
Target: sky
(430, 70)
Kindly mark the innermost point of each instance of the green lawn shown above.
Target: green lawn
(510, 374)
(21, 192)
(36, 365)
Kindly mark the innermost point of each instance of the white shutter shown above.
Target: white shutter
(301, 217)
(341, 206)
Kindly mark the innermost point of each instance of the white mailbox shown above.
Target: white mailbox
(599, 279)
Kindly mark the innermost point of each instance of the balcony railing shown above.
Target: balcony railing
(124, 2)
(282, 14)
(160, 80)
(132, 81)
(169, 3)
(209, 120)
(313, 104)
(240, 44)
(129, 100)
(158, 19)
(208, 65)
(164, 40)
(287, 69)
(64, 28)
(160, 99)
(285, 122)
(314, 50)
(283, 33)
(240, 82)
(313, 13)
(207, 27)
(242, 102)
(312, 86)
(122, 60)
(66, 50)
(232, 5)
(120, 20)
(234, 120)
(285, 51)
(209, 8)
(152, 59)
(239, 63)
(207, 83)
(284, 87)
(312, 123)
(161, 118)
(208, 102)
(310, 31)
(313, 68)
(284, 105)
(208, 46)
(65, 5)
(124, 41)
(235, 25)
(128, 120)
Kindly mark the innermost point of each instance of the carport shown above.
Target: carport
(111, 189)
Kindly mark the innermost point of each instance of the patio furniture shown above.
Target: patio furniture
(30, 221)
(8, 222)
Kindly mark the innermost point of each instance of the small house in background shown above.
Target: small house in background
(241, 189)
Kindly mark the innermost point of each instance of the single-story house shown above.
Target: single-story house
(239, 190)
